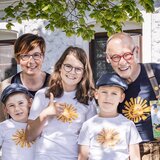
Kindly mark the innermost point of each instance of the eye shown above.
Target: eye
(79, 70)
(128, 55)
(114, 93)
(10, 106)
(36, 55)
(104, 92)
(68, 65)
(21, 103)
(115, 58)
(24, 56)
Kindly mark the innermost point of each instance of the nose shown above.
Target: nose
(31, 58)
(16, 108)
(122, 61)
(73, 71)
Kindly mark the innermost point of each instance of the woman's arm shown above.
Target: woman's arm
(83, 152)
(35, 127)
(134, 152)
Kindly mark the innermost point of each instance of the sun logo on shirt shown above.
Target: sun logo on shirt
(20, 139)
(69, 114)
(136, 109)
(108, 138)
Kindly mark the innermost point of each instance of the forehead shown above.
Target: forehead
(120, 44)
(73, 60)
(15, 96)
(110, 88)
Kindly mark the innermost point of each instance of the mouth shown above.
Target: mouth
(18, 114)
(123, 68)
(107, 102)
(71, 77)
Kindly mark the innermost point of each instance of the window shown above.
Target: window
(8, 65)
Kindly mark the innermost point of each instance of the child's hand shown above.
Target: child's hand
(54, 108)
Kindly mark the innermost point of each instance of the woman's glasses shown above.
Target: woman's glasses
(26, 57)
(69, 68)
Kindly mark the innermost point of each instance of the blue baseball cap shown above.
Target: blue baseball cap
(112, 79)
(14, 88)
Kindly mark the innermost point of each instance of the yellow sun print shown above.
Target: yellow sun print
(69, 114)
(20, 139)
(108, 138)
(136, 109)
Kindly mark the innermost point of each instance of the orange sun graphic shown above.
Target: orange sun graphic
(108, 138)
(69, 114)
(136, 109)
(20, 139)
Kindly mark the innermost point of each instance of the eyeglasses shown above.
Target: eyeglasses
(35, 56)
(69, 68)
(127, 56)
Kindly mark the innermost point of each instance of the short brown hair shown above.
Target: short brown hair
(28, 42)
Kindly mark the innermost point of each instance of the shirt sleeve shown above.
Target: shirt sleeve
(92, 109)
(39, 103)
(84, 137)
(134, 136)
(1, 134)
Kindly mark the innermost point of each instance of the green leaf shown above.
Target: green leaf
(72, 16)
(9, 26)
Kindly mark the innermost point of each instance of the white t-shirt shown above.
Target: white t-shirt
(13, 142)
(58, 140)
(108, 138)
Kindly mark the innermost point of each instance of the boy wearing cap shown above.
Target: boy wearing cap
(17, 102)
(109, 135)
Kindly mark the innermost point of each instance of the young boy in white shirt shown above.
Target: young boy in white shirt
(109, 135)
(17, 102)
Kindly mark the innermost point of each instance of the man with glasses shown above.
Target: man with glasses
(121, 53)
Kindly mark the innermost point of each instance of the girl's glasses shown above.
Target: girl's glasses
(69, 68)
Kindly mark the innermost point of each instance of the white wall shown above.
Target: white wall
(56, 42)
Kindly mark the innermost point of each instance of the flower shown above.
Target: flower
(108, 138)
(136, 109)
(69, 114)
(20, 139)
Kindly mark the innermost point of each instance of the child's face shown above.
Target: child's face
(17, 106)
(108, 98)
(71, 72)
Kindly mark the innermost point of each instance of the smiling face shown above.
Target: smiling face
(126, 67)
(31, 66)
(17, 106)
(108, 98)
(71, 78)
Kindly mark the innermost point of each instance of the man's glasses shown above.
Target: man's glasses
(69, 68)
(127, 56)
(26, 57)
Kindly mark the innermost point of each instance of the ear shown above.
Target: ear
(137, 53)
(30, 102)
(5, 110)
(107, 58)
(96, 94)
(122, 97)
(17, 60)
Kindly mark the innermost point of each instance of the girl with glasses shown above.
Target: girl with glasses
(59, 111)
